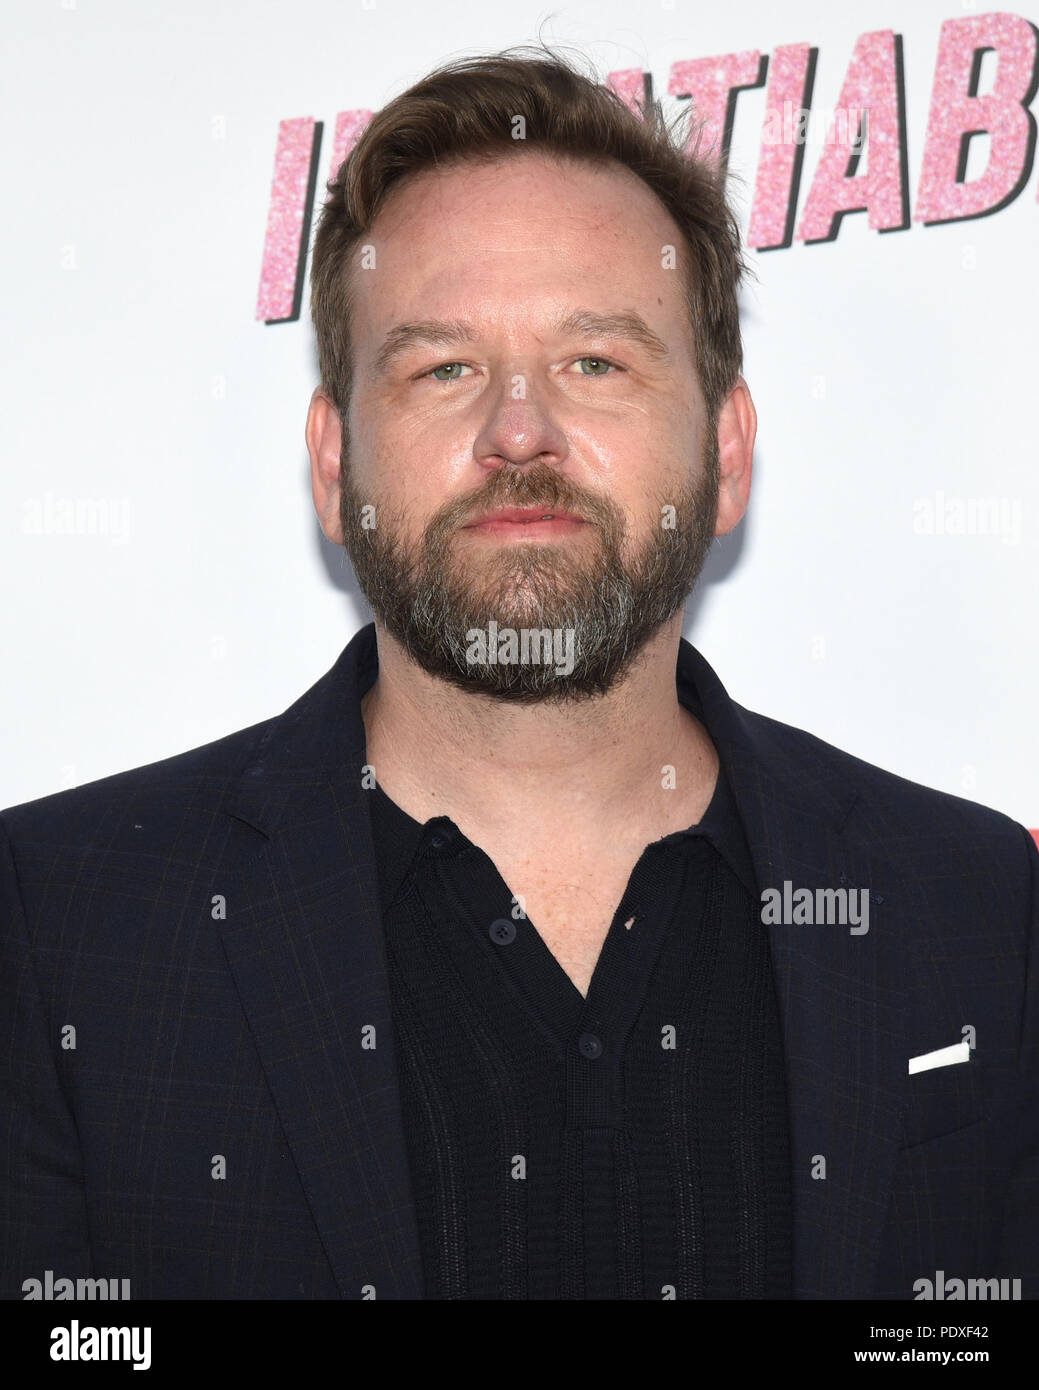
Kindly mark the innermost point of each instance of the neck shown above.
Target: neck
(598, 766)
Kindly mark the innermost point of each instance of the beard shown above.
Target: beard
(435, 595)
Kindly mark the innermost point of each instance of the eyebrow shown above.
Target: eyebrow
(580, 322)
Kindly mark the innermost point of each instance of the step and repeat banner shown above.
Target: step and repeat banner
(166, 578)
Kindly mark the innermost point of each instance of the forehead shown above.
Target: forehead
(573, 186)
(513, 236)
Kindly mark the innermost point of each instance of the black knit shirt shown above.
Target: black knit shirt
(628, 1145)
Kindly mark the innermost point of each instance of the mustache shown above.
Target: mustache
(533, 488)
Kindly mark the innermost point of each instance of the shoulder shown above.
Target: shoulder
(803, 756)
(796, 768)
(197, 779)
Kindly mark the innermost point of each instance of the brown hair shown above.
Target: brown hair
(464, 110)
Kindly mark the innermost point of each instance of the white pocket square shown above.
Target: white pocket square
(944, 1057)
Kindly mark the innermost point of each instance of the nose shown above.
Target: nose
(519, 427)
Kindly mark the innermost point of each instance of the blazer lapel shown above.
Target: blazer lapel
(841, 996)
(303, 938)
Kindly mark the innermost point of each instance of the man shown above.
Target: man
(516, 960)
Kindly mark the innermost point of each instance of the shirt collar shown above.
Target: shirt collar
(398, 836)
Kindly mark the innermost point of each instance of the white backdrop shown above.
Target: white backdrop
(165, 575)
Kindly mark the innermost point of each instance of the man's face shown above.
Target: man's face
(575, 419)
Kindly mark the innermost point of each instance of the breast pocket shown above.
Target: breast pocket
(943, 1100)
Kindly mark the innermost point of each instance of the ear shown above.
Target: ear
(737, 429)
(324, 442)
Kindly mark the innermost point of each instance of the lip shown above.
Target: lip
(524, 516)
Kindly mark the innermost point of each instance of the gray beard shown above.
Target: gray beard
(593, 612)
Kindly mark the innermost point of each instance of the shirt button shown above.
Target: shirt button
(442, 838)
(503, 931)
(589, 1046)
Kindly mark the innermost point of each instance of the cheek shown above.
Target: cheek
(426, 459)
(407, 473)
(379, 450)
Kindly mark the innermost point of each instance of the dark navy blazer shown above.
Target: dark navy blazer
(219, 1123)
